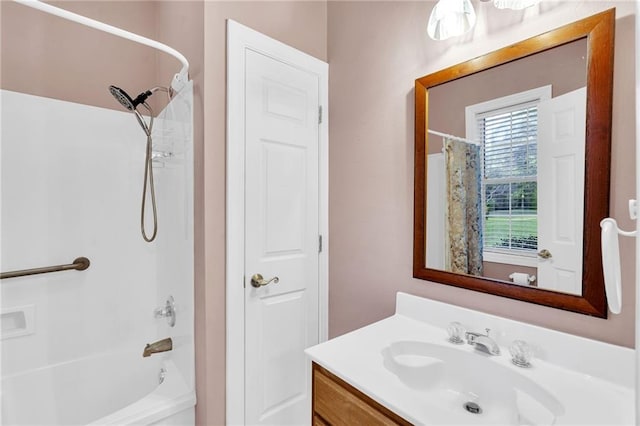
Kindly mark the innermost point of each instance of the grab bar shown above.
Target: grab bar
(79, 264)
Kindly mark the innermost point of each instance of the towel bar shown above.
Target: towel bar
(79, 264)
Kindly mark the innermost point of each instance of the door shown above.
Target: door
(281, 239)
(561, 150)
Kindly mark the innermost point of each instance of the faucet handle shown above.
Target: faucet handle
(521, 353)
(167, 311)
(456, 331)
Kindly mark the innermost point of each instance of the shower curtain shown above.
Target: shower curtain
(464, 212)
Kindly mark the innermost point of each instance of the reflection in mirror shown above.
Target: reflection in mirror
(512, 173)
(505, 171)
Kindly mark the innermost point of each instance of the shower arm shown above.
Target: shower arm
(179, 80)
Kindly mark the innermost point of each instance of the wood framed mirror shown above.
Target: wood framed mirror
(503, 204)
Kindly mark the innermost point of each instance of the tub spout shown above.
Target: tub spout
(163, 345)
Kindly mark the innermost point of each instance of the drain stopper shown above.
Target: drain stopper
(472, 407)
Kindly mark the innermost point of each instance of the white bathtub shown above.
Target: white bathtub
(119, 388)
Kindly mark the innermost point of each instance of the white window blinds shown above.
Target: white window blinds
(509, 141)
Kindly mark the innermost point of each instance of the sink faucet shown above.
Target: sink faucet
(483, 342)
(163, 345)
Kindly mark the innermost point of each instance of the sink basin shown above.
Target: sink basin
(460, 385)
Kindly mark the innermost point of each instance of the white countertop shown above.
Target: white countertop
(357, 358)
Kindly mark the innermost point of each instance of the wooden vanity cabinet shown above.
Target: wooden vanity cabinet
(336, 403)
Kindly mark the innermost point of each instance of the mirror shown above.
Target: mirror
(504, 118)
(512, 160)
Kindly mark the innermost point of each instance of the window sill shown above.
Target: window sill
(510, 259)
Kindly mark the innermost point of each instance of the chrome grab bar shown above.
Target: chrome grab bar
(79, 264)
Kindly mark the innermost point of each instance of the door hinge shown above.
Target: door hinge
(319, 114)
(319, 243)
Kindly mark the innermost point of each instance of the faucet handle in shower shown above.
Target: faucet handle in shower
(168, 311)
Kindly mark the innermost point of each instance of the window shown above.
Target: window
(507, 130)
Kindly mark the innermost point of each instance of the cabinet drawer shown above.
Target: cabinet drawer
(338, 403)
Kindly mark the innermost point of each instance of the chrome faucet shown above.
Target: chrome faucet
(483, 342)
(163, 345)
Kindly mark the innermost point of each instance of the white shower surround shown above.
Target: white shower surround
(71, 186)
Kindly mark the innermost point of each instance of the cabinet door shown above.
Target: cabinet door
(317, 421)
(338, 403)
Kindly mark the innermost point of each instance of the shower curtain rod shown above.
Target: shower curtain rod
(455, 138)
(179, 79)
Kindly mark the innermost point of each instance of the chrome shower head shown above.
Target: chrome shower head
(125, 100)
(122, 97)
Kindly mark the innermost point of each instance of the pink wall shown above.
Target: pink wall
(48, 56)
(376, 51)
(60, 59)
(303, 25)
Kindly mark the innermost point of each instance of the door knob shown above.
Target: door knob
(545, 254)
(257, 280)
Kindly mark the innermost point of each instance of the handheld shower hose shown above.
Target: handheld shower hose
(132, 104)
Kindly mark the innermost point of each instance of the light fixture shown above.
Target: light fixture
(514, 4)
(451, 18)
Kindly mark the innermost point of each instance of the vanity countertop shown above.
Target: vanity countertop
(598, 391)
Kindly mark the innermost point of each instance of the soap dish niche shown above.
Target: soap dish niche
(18, 321)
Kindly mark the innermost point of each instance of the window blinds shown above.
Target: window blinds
(509, 141)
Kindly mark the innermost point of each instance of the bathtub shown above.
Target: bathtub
(119, 388)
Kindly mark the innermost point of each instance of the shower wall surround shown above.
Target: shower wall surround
(66, 61)
(71, 185)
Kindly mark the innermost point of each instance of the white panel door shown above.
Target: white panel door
(561, 147)
(281, 239)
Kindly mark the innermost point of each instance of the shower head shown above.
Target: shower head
(125, 100)
(131, 105)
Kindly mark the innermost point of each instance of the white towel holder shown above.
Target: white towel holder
(611, 258)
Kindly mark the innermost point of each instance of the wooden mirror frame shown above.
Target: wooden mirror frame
(599, 30)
